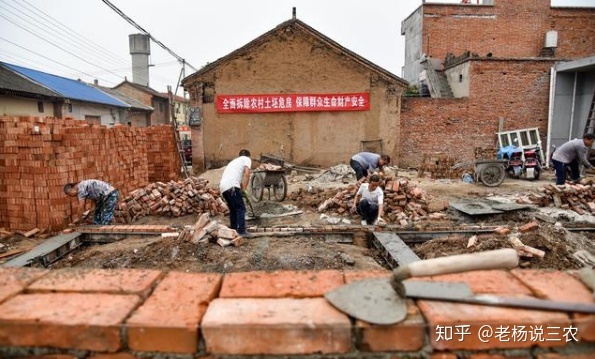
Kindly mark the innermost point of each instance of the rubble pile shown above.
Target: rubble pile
(403, 202)
(174, 199)
(336, 173)
(206, 229)
(577, 197)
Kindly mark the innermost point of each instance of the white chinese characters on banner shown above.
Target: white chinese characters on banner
(293, 103)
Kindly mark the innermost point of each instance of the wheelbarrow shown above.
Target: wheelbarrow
(272, 180)
(490, 172)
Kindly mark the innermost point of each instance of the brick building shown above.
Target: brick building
(149, 97)
(488, 68)
(287, 65)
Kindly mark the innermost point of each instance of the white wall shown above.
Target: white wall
(109, 114)
(459, 87)
(20, 106)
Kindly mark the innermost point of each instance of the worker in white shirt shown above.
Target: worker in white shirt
(369, 201)
(234, 182)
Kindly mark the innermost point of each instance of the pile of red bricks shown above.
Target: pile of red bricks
(148, 313)
(577, 197)
(439, 165)
(39, 155)
(173, 199)
(404, 203)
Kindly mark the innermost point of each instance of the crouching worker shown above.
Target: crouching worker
(369, 201)
(102, 193)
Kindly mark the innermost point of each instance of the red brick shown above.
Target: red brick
(589, 355)
(443, 356)
(488, 282)
(502, 231)
(456, 315)
(113, 356)
(408, 335)
(297, 284)
(14, 280)
(554, 285)
(168, 321)
(531, 226)
(564, 287)
(116, 281)
(65, 320)
(352, 276)
(275, 326)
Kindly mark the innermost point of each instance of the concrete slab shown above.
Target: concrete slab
(47, 252)
(395, 251)
(474, 208)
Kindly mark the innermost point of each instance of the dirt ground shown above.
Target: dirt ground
(321, 252)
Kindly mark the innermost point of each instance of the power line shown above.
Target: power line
(53, 44)
(74, 34)
(47, 58)
(60, 35)
(119, 12)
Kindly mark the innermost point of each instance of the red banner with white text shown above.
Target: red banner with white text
(293, 103)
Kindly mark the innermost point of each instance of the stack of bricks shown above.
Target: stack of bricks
(161, 144)
(72, 313)
(485, 153)
(39, 155)
(173, 199)
(439, 165)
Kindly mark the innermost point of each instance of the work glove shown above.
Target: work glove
(245, 194)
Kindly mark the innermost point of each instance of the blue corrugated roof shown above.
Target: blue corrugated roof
(72, 89)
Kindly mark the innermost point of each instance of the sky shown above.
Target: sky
(87, 40)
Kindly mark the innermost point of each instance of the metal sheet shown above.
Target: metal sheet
(399, 252)
(45, 249)
(376, 302)
(510, 206)
(370, 300)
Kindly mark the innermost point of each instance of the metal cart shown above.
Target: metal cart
(272, 180)
(490, 172)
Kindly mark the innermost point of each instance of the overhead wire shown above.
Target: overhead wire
(57, 46)
(62, 37)
(47, 58)
(71, 33)
(133, 23)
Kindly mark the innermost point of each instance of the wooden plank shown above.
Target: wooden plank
(396, 252)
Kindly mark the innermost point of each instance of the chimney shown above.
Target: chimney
(294, 13)
(140, 51)
(96, 82)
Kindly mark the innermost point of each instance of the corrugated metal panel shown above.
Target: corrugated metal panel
(72, 89)
(15, 82)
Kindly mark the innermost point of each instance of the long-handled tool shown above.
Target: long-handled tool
(382, 301)
(376, 300)
(247, 199)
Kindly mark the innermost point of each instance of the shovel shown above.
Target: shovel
(247, 199)
(380, 301)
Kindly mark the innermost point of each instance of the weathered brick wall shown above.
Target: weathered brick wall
(516, 91)
(510, 28)
(35, 167)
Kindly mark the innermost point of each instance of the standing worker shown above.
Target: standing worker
(234, 182)
(364, 163)
(371, 205)
(570, 155)
(102, 193)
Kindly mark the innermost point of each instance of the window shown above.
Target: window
(208, 92)
(461, 78)
(70, 107)
(40, 106)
